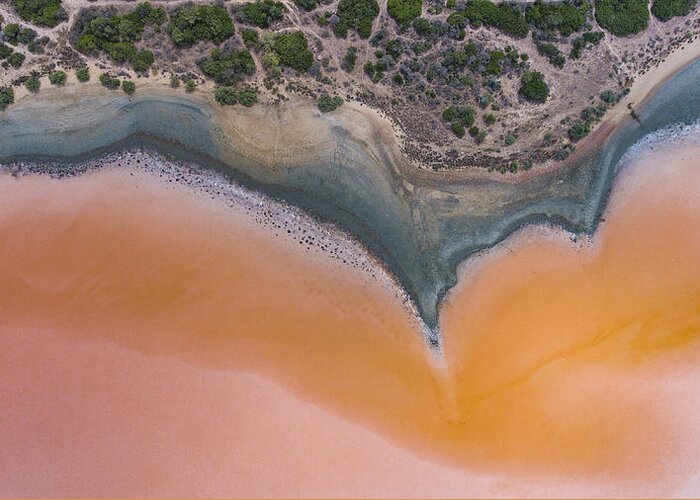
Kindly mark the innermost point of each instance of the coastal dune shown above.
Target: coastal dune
(163, 339)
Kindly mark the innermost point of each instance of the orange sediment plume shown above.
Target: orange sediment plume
(569, 368)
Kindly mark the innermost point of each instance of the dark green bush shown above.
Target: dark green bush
(226, 96)
(227, 68)
(5, 51)
(307, 5)
(505, 17)
(16, 59)
(493, 66)
(190, 86)
(262, 13)
(562, 17)
(552, 53)
(327, 103)
(394, 49)
(251, 38)
(110, 82)
(533, 86)
(461, 114)
(293, 51)
(247, 97)
(358, 14)
(404, 11)
(33, 83)
(422, 27)
(196, 23)
(489, 119)
(666, 9)
(7, 97)
(578, 131)
(58, 78)
(608, 97)
(42, 12)
(457, 129)
(581, 42)
(82, 74)
(622, 17)
(128, 87)
(348, 63)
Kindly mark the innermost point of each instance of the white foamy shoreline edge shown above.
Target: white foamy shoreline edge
(282, 220)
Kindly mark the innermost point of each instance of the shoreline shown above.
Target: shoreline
(342, 168)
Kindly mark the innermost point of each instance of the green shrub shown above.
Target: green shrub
(457, 129)
(33, 83)
(474, 131)
(307, 5)
(196, 23)
(505, 17)
(581, 42)
(82, 74)
(552, 17)
(229, 96)
(398, 79)
(293, 50)
(16, 59)
(251, 38)
(461, 114)
(489, 119)
(422, 27)
(358, 14)
(227, 68)
(57, 78)
(348, 63)
(493, 66)
(622, 17)
(116, 34)
(578, 131)
(5, 51)
(666, 9)
(190, 86)
(608, 97)
(174, 82)
(7, 97)
(262, 13)
(42, 12)
(552, 53)
(110, 82)
(327, 103)
(510, 140)
(404, 11)
(128, 87)
(533, 86)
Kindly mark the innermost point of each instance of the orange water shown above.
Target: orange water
(564, 364)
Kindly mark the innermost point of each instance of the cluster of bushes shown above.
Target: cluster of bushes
(505, 17)
(375, 70)
(41, 12)
(582, 127)
(478, 134)
(15, 34)
(550, 18)
(327, 103)
(229, 96)
(14, 59)
(552, 53)
(307, 5)
(261, 13)
(227, 68)
(348, 62)
(622, 17)
(293, 51)
(459, 117)
(109, 81)
(195, 23)
(581, 42)
(116, 34)
(7, 97)
(358, 14)
(404, 11)
(533, 87)
(664, 10)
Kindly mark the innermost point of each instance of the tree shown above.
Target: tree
(358, 14)
(42, 12)
(307, 5)
(196, 23)
(551, 17)
(227, 68)
(262, 13)
(227, 96)
(664, 10)
(533, 86)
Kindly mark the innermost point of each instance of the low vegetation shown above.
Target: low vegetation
(552, 53)
(622, 17)
(196, 23)
(580, 43)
